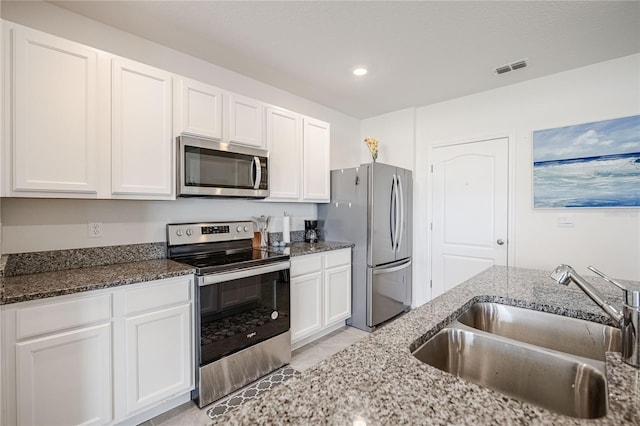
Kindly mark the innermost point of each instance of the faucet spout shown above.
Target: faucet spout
(563, 274)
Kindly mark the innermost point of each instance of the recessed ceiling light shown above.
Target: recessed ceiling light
(360, 71)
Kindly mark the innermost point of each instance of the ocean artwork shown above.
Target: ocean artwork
(588, 165)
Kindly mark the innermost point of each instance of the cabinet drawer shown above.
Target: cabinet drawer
(307, 264)
(57, 316)
(167, 292)
(338, 258)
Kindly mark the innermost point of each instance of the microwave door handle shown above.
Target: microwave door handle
(258, 175)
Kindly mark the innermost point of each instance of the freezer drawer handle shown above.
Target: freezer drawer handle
(394, 269)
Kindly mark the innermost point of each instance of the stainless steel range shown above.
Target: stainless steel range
(242, 297)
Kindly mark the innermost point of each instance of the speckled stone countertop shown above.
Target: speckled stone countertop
(378, 381)
(301, 248)
(31, 276)
(22, 288)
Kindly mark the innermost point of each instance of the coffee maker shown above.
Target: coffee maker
(311, 234)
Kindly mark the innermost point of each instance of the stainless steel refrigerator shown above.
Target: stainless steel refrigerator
(371, 206)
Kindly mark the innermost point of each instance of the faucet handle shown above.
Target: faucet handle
(631, 296)
(608, 279)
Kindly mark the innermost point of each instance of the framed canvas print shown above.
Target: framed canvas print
(588, 165)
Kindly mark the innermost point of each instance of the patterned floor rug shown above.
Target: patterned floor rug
(252, 391)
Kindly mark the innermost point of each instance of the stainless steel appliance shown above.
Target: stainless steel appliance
(242, 305)
(208, 168)
(371, 206)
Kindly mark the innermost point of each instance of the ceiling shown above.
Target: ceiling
(417, 52)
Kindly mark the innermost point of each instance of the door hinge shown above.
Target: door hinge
(431, 226)
(432, 168)
(430, 283)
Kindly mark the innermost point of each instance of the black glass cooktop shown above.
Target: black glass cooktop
(207, 263)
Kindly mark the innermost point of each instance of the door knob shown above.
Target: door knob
(500, 241)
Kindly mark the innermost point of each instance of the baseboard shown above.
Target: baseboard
(315, 336)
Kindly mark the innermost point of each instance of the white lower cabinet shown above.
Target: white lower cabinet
(65, 378)
(320, 294)
(97, 358)
(153, 372)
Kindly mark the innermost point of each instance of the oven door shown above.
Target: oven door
(210, 168)
(241, 308)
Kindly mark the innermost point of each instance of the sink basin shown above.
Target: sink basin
(569, 335)
(549, 360)
(559, 383)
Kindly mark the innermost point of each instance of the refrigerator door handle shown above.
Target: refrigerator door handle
(393, 268)
(398, 219)
(392, 209)
(401, 216)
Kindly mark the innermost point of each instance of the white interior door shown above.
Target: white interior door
(470, 210)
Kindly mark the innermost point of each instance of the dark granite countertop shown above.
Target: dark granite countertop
(300, 248)
(378, 381)
(22, 288)
(31, 276)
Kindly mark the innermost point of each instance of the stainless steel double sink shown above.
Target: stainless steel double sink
(549, 360)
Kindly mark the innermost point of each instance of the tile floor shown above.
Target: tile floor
(301, 359)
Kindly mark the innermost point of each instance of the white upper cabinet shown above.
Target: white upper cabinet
(284, 137)
(298, 157)
(198, 109)
(54, 105)
(244, 121)
(142, 137)
(316, 161)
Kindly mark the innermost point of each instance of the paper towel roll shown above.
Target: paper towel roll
(286, 232)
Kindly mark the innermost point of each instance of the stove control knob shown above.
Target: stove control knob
(179, 232)
(245, 229)
(189, 232)
(239, 229)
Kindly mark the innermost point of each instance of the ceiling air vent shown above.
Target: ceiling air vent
(502, 70)
(511, 67)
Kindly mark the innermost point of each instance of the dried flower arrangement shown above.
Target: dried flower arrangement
(373, 147)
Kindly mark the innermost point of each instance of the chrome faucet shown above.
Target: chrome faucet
(628, 319)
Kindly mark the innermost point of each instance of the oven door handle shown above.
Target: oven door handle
(241, 273)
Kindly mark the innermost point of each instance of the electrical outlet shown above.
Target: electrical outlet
(94, 230)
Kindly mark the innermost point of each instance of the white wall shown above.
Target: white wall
(32, 225)
(53, 224)
(395, 133)
(606, 238)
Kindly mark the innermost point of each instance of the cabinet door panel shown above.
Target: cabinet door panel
(65, 379)
(316, 161)
(158, 353)
(337, 294)
(201, 109)
(306, 305)
(244, 121)
(284, 141)
(142, 141)
(54, 145)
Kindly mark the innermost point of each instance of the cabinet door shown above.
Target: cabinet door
(142, 141)
(337, 298)
(158, 356)
(199, 109)
(284, 142)
(54, 106)
(244, 120)
(316, 161)
(306, 305)
(66, 378)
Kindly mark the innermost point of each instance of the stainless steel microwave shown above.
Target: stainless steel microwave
(209, 168)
